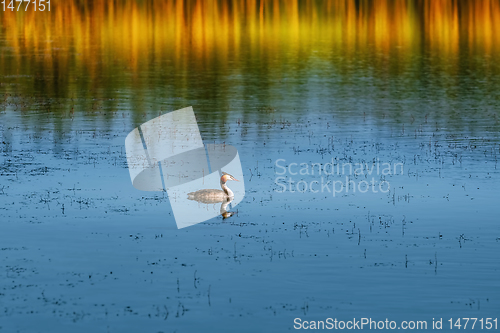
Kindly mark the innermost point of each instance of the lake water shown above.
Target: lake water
(412, 85)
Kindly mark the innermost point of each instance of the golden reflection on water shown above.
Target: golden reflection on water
(142, 31)
(386, 55)
(83, 42)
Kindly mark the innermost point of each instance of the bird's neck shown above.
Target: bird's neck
(226, 189)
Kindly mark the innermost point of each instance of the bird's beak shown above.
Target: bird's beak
(235, 179)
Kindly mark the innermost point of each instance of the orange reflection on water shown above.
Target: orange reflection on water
(95, 34)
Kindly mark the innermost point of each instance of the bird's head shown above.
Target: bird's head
(225, 177)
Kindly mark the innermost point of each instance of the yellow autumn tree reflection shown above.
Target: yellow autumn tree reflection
(135, 31)
(131, 36)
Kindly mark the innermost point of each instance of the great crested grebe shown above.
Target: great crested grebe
(214, 196)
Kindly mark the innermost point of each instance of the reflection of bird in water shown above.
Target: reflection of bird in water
(223, 209)
(214, 196)
(224, 196)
